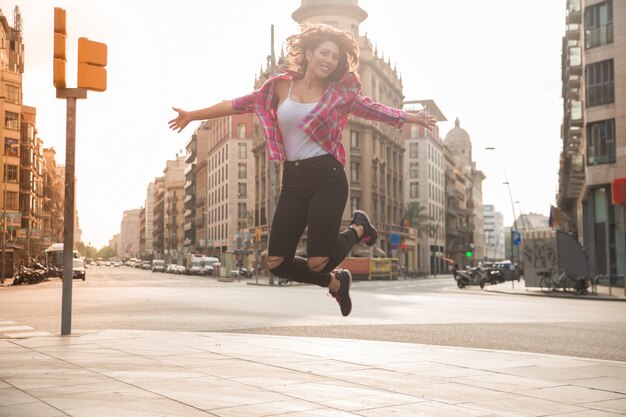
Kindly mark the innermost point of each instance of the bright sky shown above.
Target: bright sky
(494, 64)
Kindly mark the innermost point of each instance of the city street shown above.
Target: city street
(427, 311)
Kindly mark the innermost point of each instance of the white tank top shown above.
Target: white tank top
(298, 145)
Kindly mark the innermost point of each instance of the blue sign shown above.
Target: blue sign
(394, 239)
(517, 238)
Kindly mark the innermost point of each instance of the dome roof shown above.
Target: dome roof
(458, 135)
(313, 8)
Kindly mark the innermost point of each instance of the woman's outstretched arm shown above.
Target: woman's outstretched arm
(224, 108)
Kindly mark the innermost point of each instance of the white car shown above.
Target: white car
(171, 268)
(180, 269)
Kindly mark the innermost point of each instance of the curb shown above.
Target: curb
(560, 295)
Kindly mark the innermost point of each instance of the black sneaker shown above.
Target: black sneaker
(359, 217)
(343, 295)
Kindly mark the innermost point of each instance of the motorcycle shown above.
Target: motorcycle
(472, 276)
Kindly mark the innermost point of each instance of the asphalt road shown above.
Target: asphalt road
(429, 311)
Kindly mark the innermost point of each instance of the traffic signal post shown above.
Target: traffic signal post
(92, 58)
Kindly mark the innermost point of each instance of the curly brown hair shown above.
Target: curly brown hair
(311, 36)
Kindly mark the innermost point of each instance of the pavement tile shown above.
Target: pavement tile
(502, 382)
(602, 383)
(428, 369)
(382, 378)
(79, 351)
(574, 395)
(131, 397)
(590, 413)
(153, 408)
(117, 363)
(546, 373)
(430, 409)
(161, 374)
(525, 406)
(453, 393)
(326, 391)
(12, 396)
(613, 406)
(320, 412)
(373, 401)
(266, 409)
(233, 368)
(37, 409)
(211, 393)
(54, 378)
(279, 377)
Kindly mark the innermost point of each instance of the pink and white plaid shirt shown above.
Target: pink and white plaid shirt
(325, 123)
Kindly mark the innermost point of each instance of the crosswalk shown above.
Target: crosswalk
(13, 330)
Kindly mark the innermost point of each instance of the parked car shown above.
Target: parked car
(180, 269)
(171, 268)
(158, 265)
(54, 259)
(146, 265)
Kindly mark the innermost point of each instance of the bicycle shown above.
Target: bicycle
(549, 283)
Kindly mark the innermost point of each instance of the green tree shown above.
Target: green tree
(415, 217)
(85, 251)
(106, 253)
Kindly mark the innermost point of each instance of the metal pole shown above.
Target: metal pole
(4, 215)
(514, 227)
(68, 232)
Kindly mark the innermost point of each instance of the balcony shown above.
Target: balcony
(188, 184)
(191, 156)
(188, 198)
(574, 17)
(187, 213)
(189, 168)
(573, 32)
(188, 226)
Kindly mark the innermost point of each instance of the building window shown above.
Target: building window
(241, 210)
(354, 139)
(11, 120)
(354, 203)
(243, 171)
(414, 131)
(11, 173)
(243, 150)
(355, 168)
(414, 190)
(12, 200)
(11, 147)
(241, 130)
(599, 24)
(242, 190)
(599, 83)
(601, 142)
(413, 150)
(13, 94)
(413, 170)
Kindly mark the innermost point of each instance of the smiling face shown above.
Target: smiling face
(323, 61)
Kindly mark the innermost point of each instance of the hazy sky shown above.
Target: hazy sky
(494, 64)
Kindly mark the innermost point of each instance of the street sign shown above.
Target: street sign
(517, 238)
(394, 239)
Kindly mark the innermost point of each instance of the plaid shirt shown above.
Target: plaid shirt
(325, 123)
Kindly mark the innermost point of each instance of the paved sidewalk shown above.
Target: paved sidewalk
(141, 373)
(602, 292)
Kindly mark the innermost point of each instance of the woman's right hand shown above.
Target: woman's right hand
(181, 121)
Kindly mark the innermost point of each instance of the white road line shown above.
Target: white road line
(6, 322)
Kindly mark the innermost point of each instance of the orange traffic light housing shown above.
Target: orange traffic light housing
(92, 58)
(60, 38)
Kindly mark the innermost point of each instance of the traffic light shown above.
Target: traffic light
(468, 254)
(60, 37)
(403, 248)
(92, 58)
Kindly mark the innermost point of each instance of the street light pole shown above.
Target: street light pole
(508, 186)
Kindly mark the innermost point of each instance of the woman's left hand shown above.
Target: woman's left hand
(422, 118)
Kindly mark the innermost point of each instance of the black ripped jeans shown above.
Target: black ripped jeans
(313, 193)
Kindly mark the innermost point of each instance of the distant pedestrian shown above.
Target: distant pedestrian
(303, 112)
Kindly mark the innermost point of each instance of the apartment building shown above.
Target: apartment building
(594, 116)
(424, 188)
(494, 233)
(460, 146)
(128, 245)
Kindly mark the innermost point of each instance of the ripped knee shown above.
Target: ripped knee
(274, 262)
(317, 264)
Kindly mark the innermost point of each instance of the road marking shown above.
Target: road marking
(4, 322)
(17, 331)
